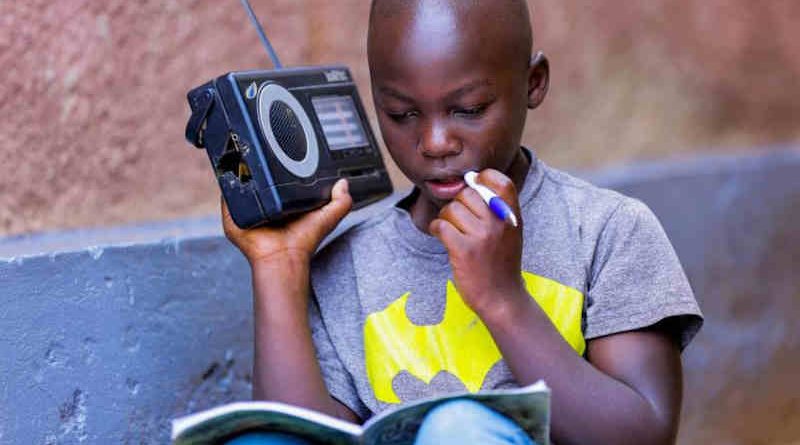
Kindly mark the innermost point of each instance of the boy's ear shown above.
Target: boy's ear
(538, 79)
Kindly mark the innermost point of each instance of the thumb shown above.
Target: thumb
(323, 220)
(341, 201)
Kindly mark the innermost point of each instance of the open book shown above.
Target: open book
(529, 407)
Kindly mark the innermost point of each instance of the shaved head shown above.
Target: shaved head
(452, 82)
(506, 23)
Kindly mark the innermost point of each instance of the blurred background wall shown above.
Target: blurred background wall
(92, 93)
(92, 100)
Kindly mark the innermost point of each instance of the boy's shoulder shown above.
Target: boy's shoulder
(575, 190)
(558, 197)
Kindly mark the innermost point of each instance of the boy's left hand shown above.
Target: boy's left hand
(485, 252)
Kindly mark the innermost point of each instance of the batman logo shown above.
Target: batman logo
(460, 344)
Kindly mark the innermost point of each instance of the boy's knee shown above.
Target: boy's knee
(455, 414)
(467, 421)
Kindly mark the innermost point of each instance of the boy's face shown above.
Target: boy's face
(449, 99)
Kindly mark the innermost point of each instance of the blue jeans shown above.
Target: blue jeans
(456, 422)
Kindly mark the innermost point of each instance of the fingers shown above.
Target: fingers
(460, 216)
(502, 185)
(446, 232)
(473, 201)
(469, 214)
(228, 225)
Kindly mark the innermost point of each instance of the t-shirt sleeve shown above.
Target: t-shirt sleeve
(338, 381)
(637, 280)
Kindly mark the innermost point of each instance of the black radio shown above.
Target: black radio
(278, 140)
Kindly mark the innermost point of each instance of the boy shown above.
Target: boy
(437, 294)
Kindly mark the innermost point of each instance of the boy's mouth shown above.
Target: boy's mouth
(445, 189)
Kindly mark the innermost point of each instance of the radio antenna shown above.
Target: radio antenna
(264, 40)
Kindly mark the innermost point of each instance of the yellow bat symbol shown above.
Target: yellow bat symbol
(460, 344)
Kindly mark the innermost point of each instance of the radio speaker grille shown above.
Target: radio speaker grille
(288, 130)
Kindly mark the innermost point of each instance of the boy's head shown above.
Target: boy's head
(452, 82)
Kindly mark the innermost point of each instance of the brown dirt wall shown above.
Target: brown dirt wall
(93, 109)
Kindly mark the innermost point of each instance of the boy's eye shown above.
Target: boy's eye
(470, 112)
(401, 116)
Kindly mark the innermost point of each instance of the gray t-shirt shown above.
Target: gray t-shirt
(389, 326)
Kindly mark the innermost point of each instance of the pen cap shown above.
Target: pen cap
(485, 193)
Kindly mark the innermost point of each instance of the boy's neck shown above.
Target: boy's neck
(423, 211)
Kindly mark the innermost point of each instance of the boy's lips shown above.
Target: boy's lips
(445, 189)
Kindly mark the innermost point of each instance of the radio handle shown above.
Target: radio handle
(201, 106)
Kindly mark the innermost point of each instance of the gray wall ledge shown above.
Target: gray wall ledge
(18, 247)
(107, 334)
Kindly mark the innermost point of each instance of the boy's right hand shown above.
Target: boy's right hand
(298, 239)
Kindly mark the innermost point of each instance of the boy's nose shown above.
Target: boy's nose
(437, 141)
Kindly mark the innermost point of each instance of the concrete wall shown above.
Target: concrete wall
(92, 92)
(735, 223)
(106, 344)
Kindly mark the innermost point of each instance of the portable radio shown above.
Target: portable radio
(278, 140)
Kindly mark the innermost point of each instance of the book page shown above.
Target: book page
(226, 422)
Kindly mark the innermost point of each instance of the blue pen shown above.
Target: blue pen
(495, 203)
